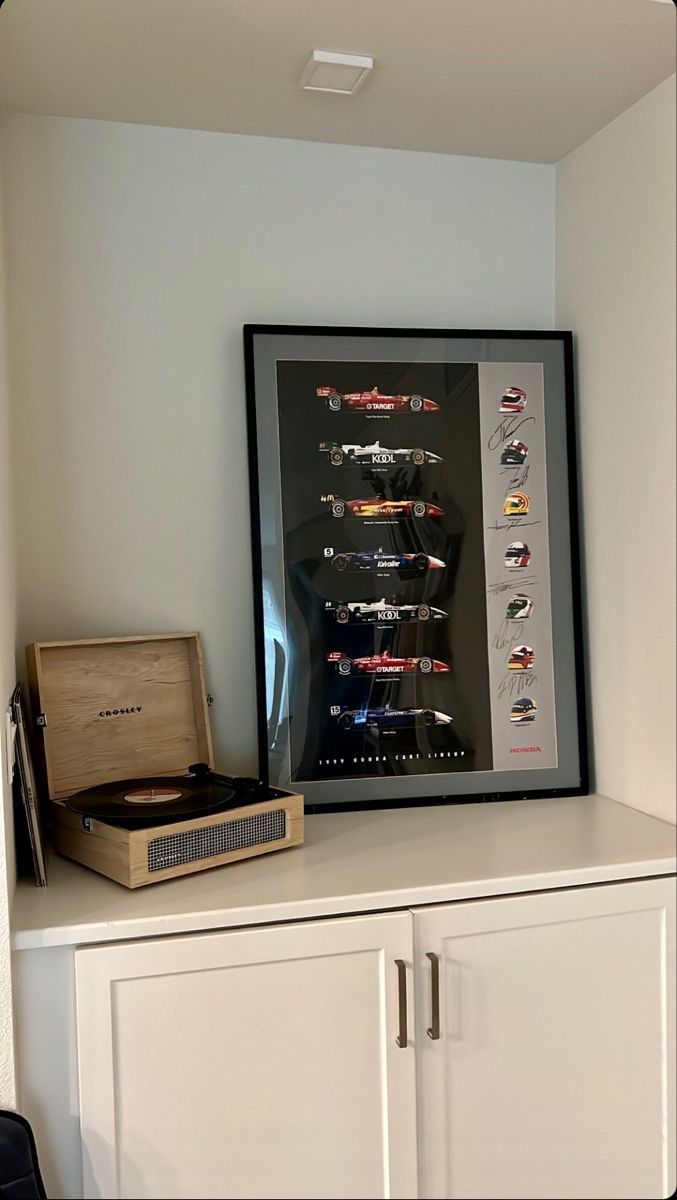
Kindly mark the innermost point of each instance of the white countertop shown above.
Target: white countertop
(361, 861)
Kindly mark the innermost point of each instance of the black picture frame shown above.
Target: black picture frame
(266, 346)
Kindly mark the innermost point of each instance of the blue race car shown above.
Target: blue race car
(381, 560)
(390, 718)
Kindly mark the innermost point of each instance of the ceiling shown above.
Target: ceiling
(518, 79)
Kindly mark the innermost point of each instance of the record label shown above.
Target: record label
(152, 795)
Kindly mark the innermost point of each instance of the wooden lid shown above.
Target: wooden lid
(119, 708)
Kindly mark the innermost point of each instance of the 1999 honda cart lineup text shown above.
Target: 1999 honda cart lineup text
(405, 533)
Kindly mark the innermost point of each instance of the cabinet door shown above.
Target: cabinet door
(257, 1063)
(553, 1073)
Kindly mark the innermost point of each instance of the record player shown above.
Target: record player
(128, 761)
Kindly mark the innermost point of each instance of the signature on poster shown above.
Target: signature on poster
(516, 523)
(506, 429)
(495, 589)
(513, 685)
(518, 480)
(507, 633)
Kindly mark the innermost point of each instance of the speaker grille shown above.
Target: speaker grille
(172, 849)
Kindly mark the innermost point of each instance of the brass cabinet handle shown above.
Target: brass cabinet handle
(434, 1030)
(401, 1038)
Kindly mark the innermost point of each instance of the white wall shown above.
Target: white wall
(616, 288)
(136, 254)
(7, 680)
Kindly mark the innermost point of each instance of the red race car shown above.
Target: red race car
(386, 508)
(384, 664)
(375, 401)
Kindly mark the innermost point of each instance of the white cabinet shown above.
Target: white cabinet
(235, 1031)
(547, 1072)
(265, 1062)
(258, 1063)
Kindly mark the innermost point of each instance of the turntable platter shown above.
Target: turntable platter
(162, 799)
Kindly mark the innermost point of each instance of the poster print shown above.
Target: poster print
(403, 550)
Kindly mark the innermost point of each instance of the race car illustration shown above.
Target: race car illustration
(375, 455)
(379, 507)
(513, 400)
(522, 658)
(516, 504)
(375, 401)
(518, 554)
(381, 560)
(523, 710)
(384, 664)
(375, 611)
(514, 454)
(390, 718)
(519, 608)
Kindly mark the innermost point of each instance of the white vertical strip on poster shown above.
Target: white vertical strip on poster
(517, 561)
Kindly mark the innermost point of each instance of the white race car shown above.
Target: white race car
(375, 455)
(374, 611)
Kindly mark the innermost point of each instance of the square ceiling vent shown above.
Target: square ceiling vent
(343, 74)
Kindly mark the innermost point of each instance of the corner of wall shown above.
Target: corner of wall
(7, 676)
(614, 286)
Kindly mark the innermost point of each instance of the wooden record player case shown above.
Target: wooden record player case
(134, 708)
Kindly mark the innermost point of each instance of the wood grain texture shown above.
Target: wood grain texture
(122, 854)
(119, 708)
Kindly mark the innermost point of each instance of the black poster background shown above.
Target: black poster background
(320, 748)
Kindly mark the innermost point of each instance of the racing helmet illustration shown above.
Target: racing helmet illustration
(514, 453)
(516, 503)
(521, 658)
(514, 399)
(523, 710)
(519, 607)
(518, 554)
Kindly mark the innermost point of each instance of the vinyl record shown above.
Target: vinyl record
(158, 799)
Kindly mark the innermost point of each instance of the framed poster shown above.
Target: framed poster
(415, 548)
